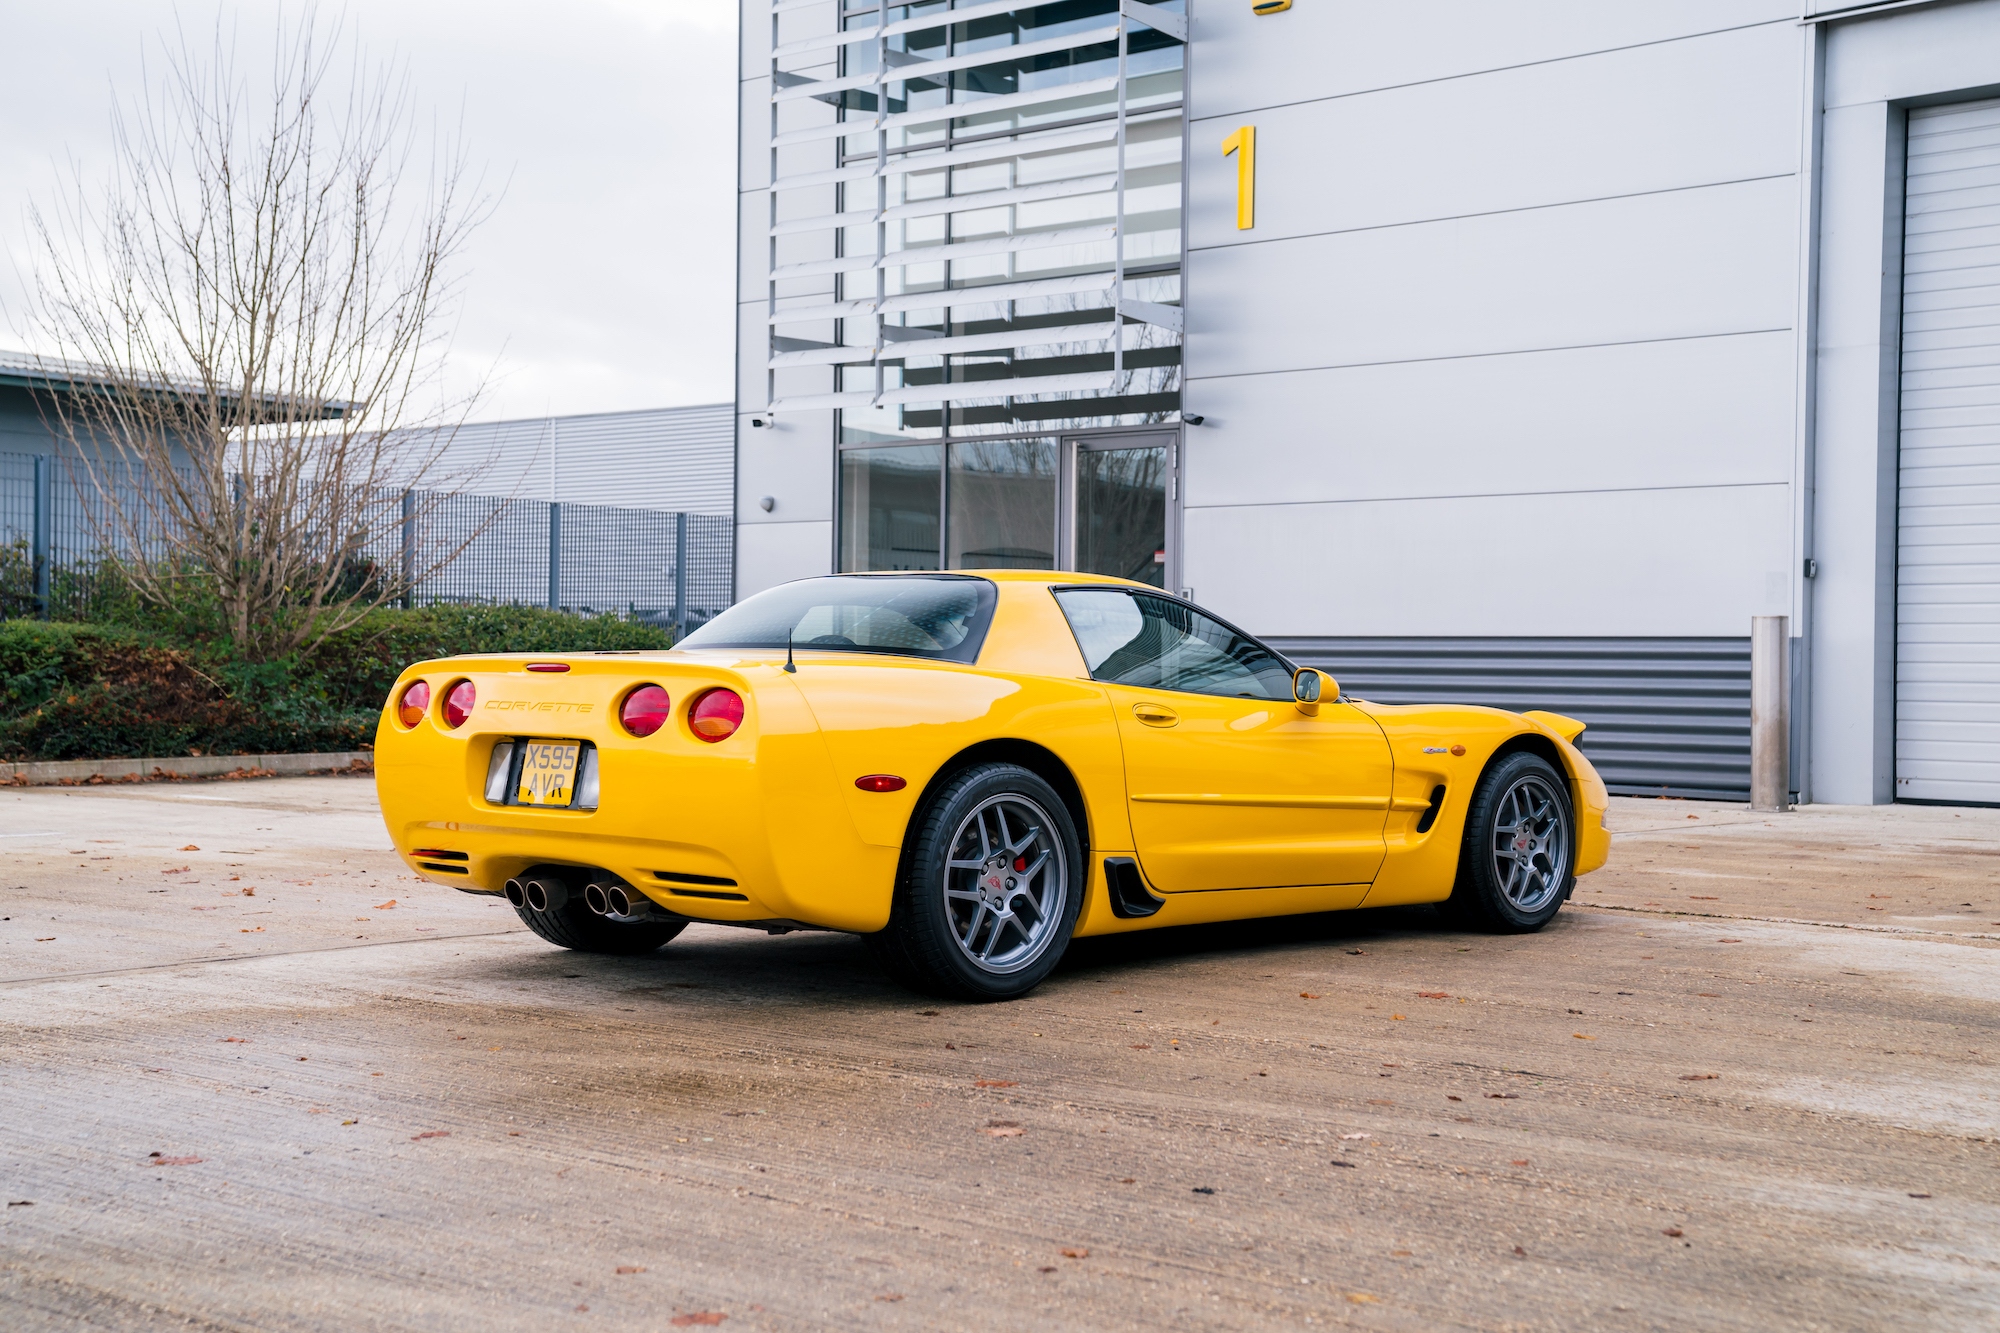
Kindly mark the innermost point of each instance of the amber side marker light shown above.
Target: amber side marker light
(881, 782)
(416, 701)
(459, 703)
(645, 710)
(716, 715)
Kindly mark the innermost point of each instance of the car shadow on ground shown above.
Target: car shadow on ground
(815, 967)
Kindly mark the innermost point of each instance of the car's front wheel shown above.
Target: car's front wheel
(1518, 861)
(990, 890)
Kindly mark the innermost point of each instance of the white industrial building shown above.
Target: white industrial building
(1516, 352)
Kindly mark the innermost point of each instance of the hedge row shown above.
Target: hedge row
(102, 692)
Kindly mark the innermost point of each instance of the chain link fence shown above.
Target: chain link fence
(674, 570)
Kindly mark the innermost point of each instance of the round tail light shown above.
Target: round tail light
(416, 701)
(716, 715)
(458, 704)
(645, 710)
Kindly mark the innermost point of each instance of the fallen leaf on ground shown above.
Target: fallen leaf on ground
(1201, 1189)
(1338, 1162)
(994, 1083)
(1463, 1119)
(1376, 1101)
(630, 1268)
(1581, 1037)
(1448, 1097)
(702, 1317)
(1004, 1129)
(1433, 995)
(1672, 1231)
(249, 930)
(1517, 1249)
(177, 870)
(1076, 1254)
(1046, 1268)
(1696, 1078)
(244, 1040)
(431, 1134)
(20, 1203)
(1520, 1162)
(1729, 941)
(1920, 1196)
(383, 907)
(1395, 1016)
(1307, 995)
(1504, 1096)
(1363, 1298)
(174, 1161)
(1127, 1180)
(190, 848)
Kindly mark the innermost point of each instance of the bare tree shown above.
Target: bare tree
(254, 310)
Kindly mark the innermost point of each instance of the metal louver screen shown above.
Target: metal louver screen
(1666, 717)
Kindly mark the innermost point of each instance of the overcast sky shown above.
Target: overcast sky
(602, 281)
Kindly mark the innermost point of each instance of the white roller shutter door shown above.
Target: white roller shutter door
(1948, 501)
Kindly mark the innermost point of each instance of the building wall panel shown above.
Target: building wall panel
(1318, 49)
(1648, 118)
(1696, 562)
(1686, 264)
(1714, 411)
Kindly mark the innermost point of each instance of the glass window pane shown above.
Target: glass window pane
(1121, 513)
(1003, 505)
(1164, 644)
(941, 616)
(889, 508)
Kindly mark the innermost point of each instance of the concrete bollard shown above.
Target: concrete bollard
(1770, 713)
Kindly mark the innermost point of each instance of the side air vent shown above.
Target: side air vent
(1430, 815)
(441, 869)
(1129, 895)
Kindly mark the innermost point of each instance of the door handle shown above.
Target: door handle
(1155, 715)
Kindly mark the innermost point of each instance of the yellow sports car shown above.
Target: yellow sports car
(970, 770)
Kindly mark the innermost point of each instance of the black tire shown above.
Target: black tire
(574, 926)
(1020, 911)
(1517, 864)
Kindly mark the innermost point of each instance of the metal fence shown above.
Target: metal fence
(666, 569)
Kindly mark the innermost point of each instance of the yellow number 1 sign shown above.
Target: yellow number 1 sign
(1243, 143)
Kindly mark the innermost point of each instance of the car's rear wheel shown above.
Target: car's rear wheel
(990, 890)
(1517, 864)
(564, 919)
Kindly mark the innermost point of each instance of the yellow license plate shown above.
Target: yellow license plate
(548, 773)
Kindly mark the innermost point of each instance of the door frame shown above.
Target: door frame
(1136, 437)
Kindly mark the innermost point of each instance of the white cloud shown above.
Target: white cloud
(604, 279)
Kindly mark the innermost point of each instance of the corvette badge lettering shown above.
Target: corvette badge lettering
(533, 706)
(1434, 749)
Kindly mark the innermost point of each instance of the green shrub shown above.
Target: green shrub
(151, 687)
(357, 666)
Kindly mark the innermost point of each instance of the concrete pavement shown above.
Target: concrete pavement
(1681, 1106)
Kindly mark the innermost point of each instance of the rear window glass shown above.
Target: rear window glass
(938, 616)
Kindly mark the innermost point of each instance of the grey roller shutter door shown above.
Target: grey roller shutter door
(1948, 499)
(1665, 717)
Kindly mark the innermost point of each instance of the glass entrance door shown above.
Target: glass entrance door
(1120, 507)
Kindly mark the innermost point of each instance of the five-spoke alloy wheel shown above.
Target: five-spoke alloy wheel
(1518, 861)
(990, 887)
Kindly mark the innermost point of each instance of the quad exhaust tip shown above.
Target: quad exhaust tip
(613, 899)
(543, 894)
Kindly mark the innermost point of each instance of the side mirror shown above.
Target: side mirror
(1310, 686)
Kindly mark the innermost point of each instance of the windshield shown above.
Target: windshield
(937, 616)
